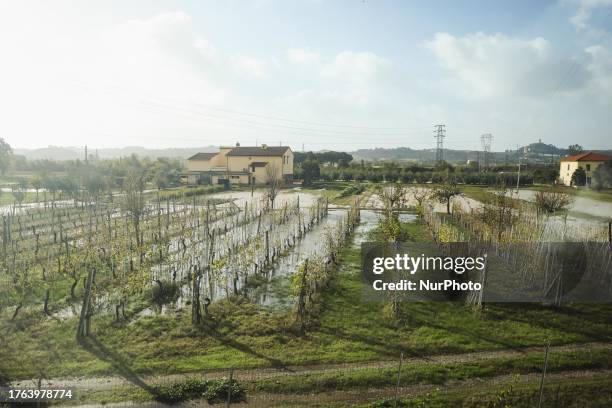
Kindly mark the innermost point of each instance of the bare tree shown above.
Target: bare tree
(393, 199)
(273, 183)
(499, 211)
(134, 202)
(552, 200)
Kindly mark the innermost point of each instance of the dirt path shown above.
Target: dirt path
(361, 395)
(110, 382)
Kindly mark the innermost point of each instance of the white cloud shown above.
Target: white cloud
(584, 11)
(249, 66)
(303, 56)
(359, 68)
(600, 68)
(498, 65)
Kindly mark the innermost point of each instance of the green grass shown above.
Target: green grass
(574, 392)
(417, 373)
(347, 380)
(333, 190)
(7, 198)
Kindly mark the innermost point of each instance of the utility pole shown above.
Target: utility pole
(518, 176)
(485, 141)
(85, 153)
(439, 135)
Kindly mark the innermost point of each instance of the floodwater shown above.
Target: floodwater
(275, 290)
(583, 205)
(8, 209)
(467, 203)
(284, 196)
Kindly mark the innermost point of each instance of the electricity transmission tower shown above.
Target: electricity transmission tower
(485, 141)
(439, 135)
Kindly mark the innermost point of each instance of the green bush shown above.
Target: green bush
(213, 391)
(165, 292)
(182, 391)
(217, 391)
(354, 189)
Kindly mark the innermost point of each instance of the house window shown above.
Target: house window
(235, 177)
(568, 166)
(588, 166)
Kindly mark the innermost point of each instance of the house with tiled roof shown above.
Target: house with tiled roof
(241, 165)
(588, 161)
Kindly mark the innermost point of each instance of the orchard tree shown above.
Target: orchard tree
(446, 192)
(5, 156)
(272, 182)
(134, 202)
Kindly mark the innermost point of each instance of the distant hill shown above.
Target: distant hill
(534, 152)
(73, 153)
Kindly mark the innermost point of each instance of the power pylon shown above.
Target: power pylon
(485, 141)
(439, 135)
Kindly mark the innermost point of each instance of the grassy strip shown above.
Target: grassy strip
(574, 392)
(7, 198)
(411, 374)
(417, 373)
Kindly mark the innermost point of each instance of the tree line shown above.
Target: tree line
(313, 170)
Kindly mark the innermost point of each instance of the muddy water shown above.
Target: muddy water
(284, 196)
(8, 209)
(584, 205)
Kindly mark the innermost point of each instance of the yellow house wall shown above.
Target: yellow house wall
(260, 175)
(241, 163)
(288, 167)
(220, 160)
(567, 169)
(199, 165)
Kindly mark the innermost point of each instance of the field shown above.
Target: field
(131, 299)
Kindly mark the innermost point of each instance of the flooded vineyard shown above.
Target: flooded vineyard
(89, 258)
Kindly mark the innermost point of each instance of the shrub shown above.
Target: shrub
(184, 390)
(165, 292)
(218, 390)
(354, 189)
(212, 390)
(551, 201)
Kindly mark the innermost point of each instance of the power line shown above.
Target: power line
(321, 132)
(485, 141)
(439, 135)
(299, 121)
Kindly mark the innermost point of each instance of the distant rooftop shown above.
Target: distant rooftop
(588, 156)
(258, 151)
(202, 156)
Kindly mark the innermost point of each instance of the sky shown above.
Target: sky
(322, 74)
